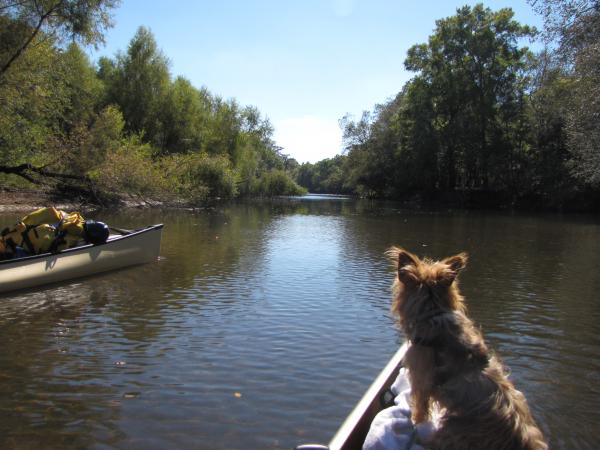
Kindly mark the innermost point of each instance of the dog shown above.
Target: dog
(450, 365)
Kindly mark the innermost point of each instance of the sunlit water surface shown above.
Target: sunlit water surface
(262, 324)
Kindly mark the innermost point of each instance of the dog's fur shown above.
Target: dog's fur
(450, 364)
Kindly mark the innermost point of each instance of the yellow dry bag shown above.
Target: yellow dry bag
(45, 230)
(49, 215)
(39, 239)
(72, 224)
(13, 237)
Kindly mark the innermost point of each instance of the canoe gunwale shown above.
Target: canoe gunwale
(111, 240)
(353, 431)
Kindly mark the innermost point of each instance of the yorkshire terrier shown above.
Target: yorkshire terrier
(450, 365)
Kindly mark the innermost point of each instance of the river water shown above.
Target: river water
(263, 323)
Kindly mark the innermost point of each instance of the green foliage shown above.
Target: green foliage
(129, 168)
(480, 115)
(139, 85)
(214, 173)
(276, 182)
(26, 20)
(199, 177)
(582, 125)
(84, 89)
(567, 94)
(90, 145)
(127, 128)
(184, 116)
(33, 96)
(326, 176)
(483, 116)
(548, 153)
(473, 70)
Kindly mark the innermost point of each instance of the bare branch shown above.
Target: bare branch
(25, 171)
(12, 5)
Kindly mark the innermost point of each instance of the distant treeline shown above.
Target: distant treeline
(123, 125)
(484, 122)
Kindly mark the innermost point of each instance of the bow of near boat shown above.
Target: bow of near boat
(131, 248)
(351, 435)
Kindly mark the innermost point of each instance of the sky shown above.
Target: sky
(304, 64)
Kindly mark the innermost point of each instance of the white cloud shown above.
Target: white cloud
(308, 138)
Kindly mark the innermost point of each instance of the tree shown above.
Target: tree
(366, 171)
(43, 89)
(83, 20)
(139, 84)
(472, 65)
(418, 144)
(33, 97)
(583, 130)
(84, 89)
(548, 173)
(184, 117)
(574, 27)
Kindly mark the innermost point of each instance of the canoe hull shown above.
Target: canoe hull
(351, 435)
(138, 247)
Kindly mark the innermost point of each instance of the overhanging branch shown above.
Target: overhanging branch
(27, 171)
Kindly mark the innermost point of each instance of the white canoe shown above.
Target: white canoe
(135, 247)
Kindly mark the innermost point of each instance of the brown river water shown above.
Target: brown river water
(262, 324)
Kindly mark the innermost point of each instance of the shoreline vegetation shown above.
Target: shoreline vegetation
(484, 122)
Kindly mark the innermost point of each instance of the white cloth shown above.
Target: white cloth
(392, 428)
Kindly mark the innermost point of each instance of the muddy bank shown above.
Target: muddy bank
(28, 199)
(19, 200)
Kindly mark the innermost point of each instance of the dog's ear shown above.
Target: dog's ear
(455, 264)
(406, 264)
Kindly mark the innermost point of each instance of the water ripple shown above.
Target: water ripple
(262, 325)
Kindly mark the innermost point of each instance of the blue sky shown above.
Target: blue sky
(303, 64)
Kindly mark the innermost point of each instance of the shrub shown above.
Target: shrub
(129, 169)
(276, 182)
(198, 177)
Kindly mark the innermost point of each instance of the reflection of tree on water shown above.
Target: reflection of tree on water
(47, 377)
(245, 295)
(74, 354)
(530, 284)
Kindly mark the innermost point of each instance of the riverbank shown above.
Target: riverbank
(28, 199)
(19, 199)
(467, 199)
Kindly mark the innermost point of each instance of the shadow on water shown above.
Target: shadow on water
(263, 322)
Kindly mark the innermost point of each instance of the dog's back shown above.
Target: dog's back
(483, 410)
(449, 362)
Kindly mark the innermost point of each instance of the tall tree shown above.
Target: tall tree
(83, 87)
(574, 27)
(139, 84)
(417, 140)
(184, 116)
(83, 20)
(472, 64)
(34, 97)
